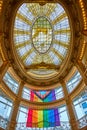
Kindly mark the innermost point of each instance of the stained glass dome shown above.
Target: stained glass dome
(42, 38)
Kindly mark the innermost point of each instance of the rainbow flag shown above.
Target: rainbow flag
(43, 118)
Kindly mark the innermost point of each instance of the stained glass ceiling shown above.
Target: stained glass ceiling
(41, 37)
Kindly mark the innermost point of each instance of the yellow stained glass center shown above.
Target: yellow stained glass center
(42, 34)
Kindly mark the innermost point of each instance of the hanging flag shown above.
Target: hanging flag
(43, 118)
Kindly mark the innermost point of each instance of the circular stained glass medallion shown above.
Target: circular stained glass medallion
(42, 34)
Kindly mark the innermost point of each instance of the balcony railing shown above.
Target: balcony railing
(82, 122)
(3, 123)
(63, 126)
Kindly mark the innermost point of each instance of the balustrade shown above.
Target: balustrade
(82, 122)
(3, 123)
(64, 125)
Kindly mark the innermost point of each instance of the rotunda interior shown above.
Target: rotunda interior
(43, 65)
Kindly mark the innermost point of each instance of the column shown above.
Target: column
(73, 122)
(16, 105)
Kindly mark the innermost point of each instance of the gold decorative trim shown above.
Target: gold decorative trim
(42, 65)
(1, 4)
(41, 106)
(83, 14)
(1, 49)
(82, 49)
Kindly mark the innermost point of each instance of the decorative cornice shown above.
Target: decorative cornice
(41, 106)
